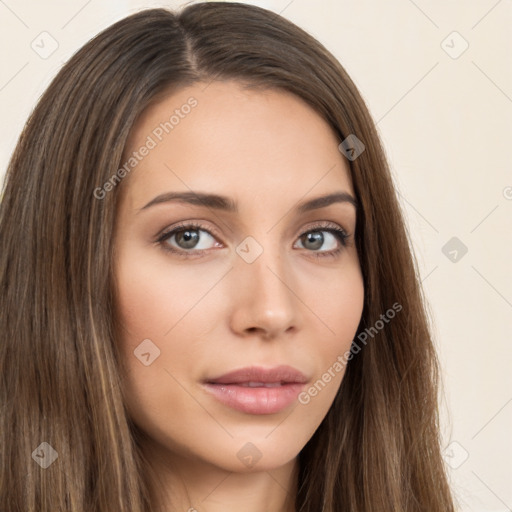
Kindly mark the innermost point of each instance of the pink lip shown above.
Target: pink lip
(286, 382)
(283, 373)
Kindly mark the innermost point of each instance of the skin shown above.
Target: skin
(214, 313)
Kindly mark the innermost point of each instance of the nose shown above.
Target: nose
(264, 301)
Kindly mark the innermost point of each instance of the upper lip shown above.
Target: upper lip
(283, 374)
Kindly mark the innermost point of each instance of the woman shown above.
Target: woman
(209, 300)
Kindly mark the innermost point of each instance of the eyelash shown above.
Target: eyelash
(341, 235)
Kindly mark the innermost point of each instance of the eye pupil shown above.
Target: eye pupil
(316, 237)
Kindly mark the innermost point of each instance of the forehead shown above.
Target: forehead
(225, 138)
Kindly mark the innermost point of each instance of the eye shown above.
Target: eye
(315, 238)
(187, 237)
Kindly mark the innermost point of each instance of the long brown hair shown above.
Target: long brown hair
(377, 449)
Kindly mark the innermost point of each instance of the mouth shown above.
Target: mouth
(261, 384)
(256, 390)
(258, 376)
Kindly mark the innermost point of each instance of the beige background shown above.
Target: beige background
(445, 118)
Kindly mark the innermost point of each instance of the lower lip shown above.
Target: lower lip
(259, 400)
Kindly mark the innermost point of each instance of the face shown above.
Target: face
(255, 280)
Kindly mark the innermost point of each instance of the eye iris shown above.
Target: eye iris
(190, 238)
(316, 237)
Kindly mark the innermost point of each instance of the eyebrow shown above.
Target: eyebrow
(227, 204)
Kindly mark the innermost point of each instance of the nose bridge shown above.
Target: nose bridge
(264, 297)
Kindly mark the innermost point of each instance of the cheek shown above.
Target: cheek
(152, 305)
(343, 314)
(337, 302)
(164, 309)
(152, 295)
(338, 307)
